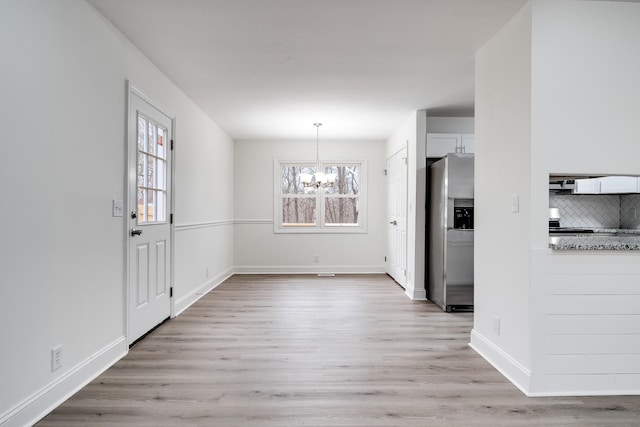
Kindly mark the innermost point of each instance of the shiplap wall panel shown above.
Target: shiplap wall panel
(592, 285)
(580, 265)
(592, 304)
(593, 344)
(606, 324)
(594, 364)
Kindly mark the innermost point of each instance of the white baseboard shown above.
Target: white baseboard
(189, 299)
(309, 269)
(582, 393)
(416, 294)
(519, 375)
(39, 404)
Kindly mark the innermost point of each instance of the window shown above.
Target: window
(152, 171)
(339, 208)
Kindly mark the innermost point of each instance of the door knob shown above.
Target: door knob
(136, 232)
(393, 222)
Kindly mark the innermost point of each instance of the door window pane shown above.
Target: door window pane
(160, 175)
(160, 142)
(151, 172)
(150, 206)
(141, 158)
(142, 133)
(141, 216)
(151, 138)
(161, 206)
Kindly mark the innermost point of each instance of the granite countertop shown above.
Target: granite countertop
(616, 231)
(602, 239)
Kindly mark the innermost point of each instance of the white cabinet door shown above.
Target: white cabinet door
(587, 186)
(619, 184)
(468, 143)
(608, 185)
(441, 144)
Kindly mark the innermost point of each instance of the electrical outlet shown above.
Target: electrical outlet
(515, 203)
(56, 358)
(316, 258)
(496, 325)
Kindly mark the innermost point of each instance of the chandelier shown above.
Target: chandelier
(319, 178)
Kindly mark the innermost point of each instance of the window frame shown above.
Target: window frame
(154, 188)
(320, 227)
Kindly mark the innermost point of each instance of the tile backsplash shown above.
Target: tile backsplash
(598, 211)
(630, 211)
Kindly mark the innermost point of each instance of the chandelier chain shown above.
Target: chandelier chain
(317, 125)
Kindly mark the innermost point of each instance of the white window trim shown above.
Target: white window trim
(319, 227)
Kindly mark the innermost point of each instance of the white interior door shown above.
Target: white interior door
(149, 233)
(397, 216)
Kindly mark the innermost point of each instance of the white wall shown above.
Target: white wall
(450, 124)
(556, 92)
(584, 115)
(259, 249)
(204, 206)
(502, 169)
(62, 104)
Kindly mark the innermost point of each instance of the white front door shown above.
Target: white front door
(149, 233)
(397, 216)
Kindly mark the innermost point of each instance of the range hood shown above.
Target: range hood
(562, 184)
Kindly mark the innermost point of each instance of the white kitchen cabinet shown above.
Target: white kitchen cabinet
(468, 143)
(618, 184)
(608, 185)
(587, 186)
(441, 144)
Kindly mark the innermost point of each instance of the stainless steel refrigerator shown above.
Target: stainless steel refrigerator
(450, 233)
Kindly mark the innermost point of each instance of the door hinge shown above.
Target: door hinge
(172, 144)
(171, 292)
(170, 218)
(385, 172)
(405, 160)
(385, 259)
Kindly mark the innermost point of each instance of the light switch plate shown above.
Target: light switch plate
(515, 203)
(118, 208)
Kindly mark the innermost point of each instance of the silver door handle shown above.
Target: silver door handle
(393, 222)
(136, 232)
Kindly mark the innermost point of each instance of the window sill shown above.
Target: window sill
(339, 229)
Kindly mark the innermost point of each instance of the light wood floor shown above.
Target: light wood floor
(349, 350)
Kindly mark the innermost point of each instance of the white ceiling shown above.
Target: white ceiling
(269, 69)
